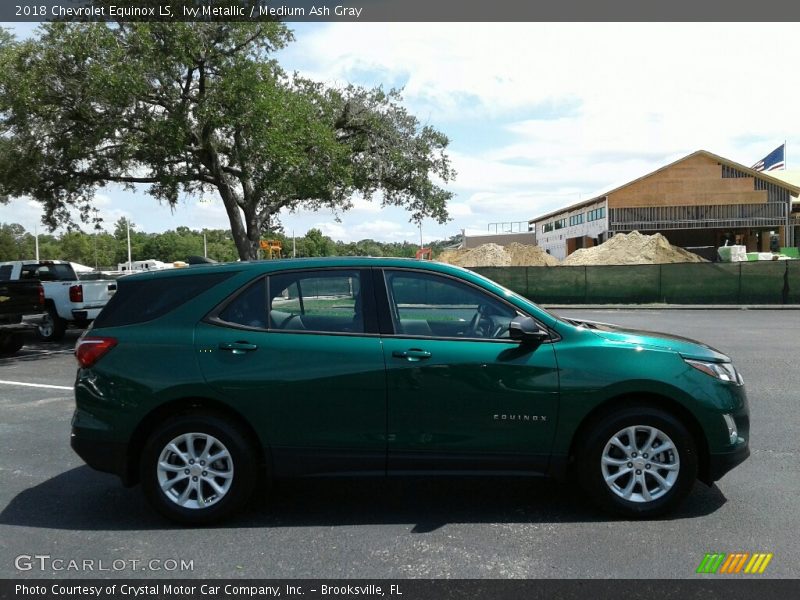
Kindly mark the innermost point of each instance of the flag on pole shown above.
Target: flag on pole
(774, 160)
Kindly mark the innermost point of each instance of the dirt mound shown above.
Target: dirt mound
(493, 255)
(524, 255)
(632, 249)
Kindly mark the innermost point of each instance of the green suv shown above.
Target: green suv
(198, 382)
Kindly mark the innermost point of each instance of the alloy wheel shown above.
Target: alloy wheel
(640, 463)
(195, 470)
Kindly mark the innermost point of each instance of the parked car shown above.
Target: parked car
(21, 310)
(68, 300)
(196, 382)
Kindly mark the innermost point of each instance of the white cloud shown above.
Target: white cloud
(540, 116)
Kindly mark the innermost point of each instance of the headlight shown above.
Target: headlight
(722, 371)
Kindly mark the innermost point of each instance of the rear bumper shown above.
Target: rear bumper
(719, 464)
(86, 313)
(109, 457)
(27, 323)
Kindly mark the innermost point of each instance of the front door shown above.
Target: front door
(462, 396)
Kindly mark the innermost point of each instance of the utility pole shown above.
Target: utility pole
(96, 227)
(205, 245)
(128, 225)
(294, 246)
(36, 235)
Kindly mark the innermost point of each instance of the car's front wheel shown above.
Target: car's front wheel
(638, 461)
(197, 469)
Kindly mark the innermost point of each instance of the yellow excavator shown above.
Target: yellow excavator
(272, 248)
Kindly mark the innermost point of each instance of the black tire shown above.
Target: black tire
(52, 327)
(11, 343)
(242, 465)
(644, 420)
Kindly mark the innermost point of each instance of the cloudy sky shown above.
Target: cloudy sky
(539, 115)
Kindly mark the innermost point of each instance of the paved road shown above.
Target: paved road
(51, 504)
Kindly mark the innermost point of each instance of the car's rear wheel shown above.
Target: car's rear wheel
(198, 469)
(52, 327)
(638, 461)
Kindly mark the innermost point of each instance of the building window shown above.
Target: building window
(561, 223)
(547, 227)
(594, 215)
(576, 219)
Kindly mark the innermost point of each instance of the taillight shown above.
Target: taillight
(41, 296)
(91, 349)
(76, 293)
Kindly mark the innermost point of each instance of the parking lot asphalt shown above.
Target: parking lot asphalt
(50, 504)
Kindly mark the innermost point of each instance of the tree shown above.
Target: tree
(192, 108)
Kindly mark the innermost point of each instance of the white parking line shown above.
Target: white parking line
(36, 385)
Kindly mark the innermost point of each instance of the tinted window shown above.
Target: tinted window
(48, 272)
(432, 306)
(249, 308)
(5, 272)
(317, 301)
(137, 300)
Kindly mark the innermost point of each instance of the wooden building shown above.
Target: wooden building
(699, 202)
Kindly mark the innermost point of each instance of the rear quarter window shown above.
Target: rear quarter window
(137, 301)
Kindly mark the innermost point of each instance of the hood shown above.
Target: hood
(686, 347)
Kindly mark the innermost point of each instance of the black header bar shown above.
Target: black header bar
(402, 10)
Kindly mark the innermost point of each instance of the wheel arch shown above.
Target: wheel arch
(186, 406)
(650, 400)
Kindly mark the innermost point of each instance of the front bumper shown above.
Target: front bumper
(721, 463)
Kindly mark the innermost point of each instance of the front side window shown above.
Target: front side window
(429, 305)
(321, 301)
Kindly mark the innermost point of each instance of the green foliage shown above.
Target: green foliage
(106, 250)
(188, 108)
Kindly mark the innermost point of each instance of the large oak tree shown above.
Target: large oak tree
(194, 108)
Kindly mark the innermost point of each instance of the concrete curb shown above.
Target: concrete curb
(673, 306)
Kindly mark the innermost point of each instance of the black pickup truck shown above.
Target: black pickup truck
(19, 299)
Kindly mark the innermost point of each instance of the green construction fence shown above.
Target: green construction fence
(762, 282)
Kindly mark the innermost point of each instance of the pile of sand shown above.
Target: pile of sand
(524, 255)
(493, 255)
(632, 249)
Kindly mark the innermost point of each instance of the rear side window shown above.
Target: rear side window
(320, 301)
(5, 272)
(248, 308)
(48, 272)
(145, 300)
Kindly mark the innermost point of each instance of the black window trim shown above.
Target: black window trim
(369, 307)
(385, 316)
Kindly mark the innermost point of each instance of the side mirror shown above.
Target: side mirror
(526, 331)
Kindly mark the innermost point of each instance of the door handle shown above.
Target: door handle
(237, 347)
(412, 355)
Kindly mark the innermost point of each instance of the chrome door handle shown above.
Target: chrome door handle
(412, 355)
(237, 347)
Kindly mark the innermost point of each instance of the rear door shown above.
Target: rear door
(462, 396)
(299, 352)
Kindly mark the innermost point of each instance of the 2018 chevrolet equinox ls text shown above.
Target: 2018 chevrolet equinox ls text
(197, 382)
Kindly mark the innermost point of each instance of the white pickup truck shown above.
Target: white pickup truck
(68, 300)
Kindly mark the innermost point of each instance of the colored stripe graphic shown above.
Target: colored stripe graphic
(734, 562)
(759, 562)
(710, 563)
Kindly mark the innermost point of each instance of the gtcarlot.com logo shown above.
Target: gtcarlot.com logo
(737, 562)
(45, 562)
